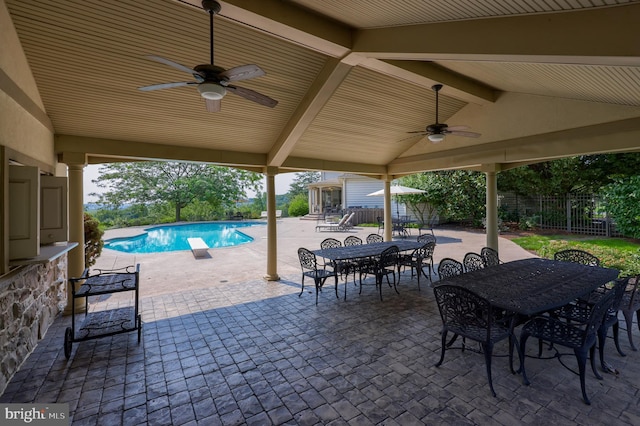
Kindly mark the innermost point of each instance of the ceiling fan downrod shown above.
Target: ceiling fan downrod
(213, 7)
(436, 88)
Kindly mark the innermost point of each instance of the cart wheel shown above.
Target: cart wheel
(139, 328)
(68, 342)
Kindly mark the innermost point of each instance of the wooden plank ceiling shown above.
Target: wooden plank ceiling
(351, 79)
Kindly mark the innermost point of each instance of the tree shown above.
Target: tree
(300, 183)
(582, 173)
(179, 184)
(452, 194)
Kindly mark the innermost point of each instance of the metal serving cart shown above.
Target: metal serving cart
(105, 322)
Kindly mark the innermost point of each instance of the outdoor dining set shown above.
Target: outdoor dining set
(569, 301)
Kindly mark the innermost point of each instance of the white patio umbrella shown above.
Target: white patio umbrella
(397, 190)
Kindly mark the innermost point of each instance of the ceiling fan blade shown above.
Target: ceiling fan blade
(212, 105)
(174, 64)
(243, 72)
(461, 133)
(166, 85)
(418, 131)
(252, 95)
(457, 127)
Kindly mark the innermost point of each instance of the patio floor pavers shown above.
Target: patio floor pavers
(253, 352)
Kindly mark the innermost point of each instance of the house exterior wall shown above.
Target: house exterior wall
(355, 189)
(30, 296)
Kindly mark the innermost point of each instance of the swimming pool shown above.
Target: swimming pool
(168, 238)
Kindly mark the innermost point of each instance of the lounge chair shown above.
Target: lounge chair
(343, 225)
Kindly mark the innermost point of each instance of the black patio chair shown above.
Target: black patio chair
(490, 256)
(427, 229)
(419, 259)
(355, 265)
(449, 268)
(631, 304)
(578, 312)
(579, 337)
(344, 268)
(577, 256)
(473, 262)
(380, 224)
(381, 267)
(374, 238)
(466, 314)
(309, 265)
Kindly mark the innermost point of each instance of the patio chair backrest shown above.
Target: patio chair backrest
(631, 297)
(490, 256)
(473, 262)
(389, 257)
(347, 222)
(307, 259)
(344, 219)
(426, 251)
(425, 238)
(374, 238)
(577, 256)
(352, 240)
(461, 309)
(449, 268)
(330, 243)
(597, 315)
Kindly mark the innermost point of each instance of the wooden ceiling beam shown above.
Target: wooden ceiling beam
(599, 36)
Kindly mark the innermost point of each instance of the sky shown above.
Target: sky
(283, 181)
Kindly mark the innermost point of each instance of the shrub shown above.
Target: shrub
(528, 222)
(621, 201)
(92, 240)
(299, 205)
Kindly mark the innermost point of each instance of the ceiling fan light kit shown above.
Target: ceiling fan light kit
(436, 137)
(212, 80)
(211, 91)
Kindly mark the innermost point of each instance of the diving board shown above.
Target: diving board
(198, 247)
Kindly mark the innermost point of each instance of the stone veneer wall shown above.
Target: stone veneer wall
(30, 299)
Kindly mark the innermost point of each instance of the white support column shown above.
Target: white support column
(75, 163)
(272, 237)
(492, 210)
(388, 222)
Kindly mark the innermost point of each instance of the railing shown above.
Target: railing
(575, 213)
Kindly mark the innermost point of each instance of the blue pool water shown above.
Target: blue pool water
(174, 237)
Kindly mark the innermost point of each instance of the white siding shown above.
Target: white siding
(357, 189)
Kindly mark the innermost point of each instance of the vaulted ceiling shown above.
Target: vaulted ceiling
(537, 79)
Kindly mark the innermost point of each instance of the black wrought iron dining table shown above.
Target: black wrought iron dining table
(532, 286)
(363, 251)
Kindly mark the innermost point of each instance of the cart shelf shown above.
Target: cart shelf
(109, 321)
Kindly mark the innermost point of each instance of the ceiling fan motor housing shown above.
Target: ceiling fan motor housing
(436, 128)
(211, 6)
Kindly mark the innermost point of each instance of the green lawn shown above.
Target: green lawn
(618, 253)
